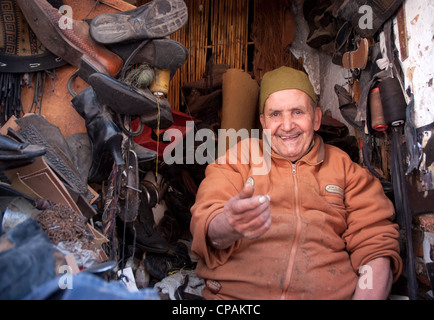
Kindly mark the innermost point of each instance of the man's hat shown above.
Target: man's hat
(281, 79)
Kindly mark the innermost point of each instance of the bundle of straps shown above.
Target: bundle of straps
(22, 56)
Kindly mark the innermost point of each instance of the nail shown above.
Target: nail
(250, 181)
(262, 199)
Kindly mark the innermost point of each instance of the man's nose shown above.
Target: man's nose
(287, 122)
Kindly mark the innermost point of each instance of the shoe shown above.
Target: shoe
(105, 137)
(160, 266)
(155, 19)
(357, 59)
(322, 34)
(159, 53)
(74, 45)
(124, 99)
(342, 42)
(15, 154)
(347, 107)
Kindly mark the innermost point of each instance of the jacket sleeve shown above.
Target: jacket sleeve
(371, 232)
(221, 183)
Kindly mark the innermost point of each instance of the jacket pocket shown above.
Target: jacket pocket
(334, 196)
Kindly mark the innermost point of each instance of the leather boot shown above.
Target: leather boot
(74, 45)
(155, 19)
(105, 136)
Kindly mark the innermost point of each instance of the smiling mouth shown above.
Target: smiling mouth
(289, 137)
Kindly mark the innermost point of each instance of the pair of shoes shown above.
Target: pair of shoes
(76, 45)
(15, 154)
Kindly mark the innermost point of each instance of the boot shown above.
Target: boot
(155, 19)
(105, 136)
(74, 45)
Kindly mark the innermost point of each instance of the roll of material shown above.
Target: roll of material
(239, 101)
(393, 102)
(377, 116)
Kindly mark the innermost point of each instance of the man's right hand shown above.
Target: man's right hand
(244, 216)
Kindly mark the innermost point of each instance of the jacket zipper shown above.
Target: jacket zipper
(298, 228)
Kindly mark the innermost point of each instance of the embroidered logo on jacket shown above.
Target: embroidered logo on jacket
(332, 188)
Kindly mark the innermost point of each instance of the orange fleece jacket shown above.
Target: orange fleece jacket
(329, 217)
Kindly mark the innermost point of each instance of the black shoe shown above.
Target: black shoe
(124, 99)
(15, 154)
(155, 19)
(159, 53)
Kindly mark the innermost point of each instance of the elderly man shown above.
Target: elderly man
(317, 226)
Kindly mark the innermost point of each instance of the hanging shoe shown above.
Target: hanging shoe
(322, 35)
(347, 107)
(124, 99)
(159, 53)
(105, 137)
(357, 59)
(155, 19)
(342, 42)
(74, 45)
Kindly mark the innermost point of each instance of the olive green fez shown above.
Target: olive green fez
(281, 79)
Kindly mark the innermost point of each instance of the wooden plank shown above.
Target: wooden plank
(402, 32)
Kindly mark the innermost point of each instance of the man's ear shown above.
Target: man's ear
(262, 120)
(317, 119)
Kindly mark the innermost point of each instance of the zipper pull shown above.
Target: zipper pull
(294, 168)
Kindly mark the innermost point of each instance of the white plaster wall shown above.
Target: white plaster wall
(419, 66)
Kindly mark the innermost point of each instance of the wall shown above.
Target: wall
(419, 67)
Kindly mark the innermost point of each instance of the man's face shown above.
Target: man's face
(292, 120)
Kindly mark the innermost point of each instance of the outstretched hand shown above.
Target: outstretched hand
(244, 216)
